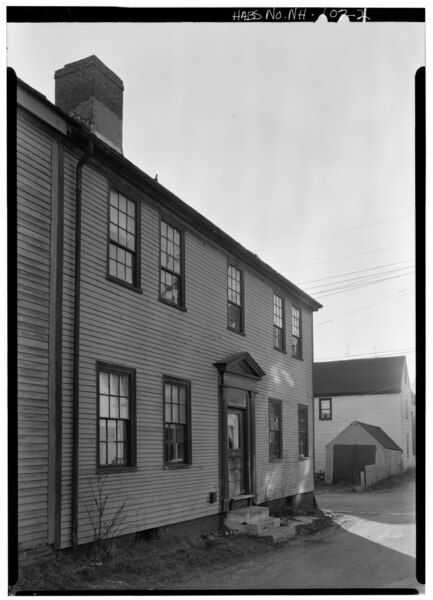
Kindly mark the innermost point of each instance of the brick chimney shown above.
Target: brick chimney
(92, 93)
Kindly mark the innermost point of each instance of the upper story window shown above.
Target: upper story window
(172, 280)
(116, 395)
(275, 430)
(123, 239)
(303, 430)
(325, 409)
(296, 333)
(279, 341)
(177, 422)
(235, 318)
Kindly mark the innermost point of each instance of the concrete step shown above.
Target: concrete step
(263, 526)
(248, 514)
(255, 520)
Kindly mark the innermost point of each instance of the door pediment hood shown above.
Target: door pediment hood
(242, 364)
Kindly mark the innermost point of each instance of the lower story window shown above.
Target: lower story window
(275, 449)
(116, 391)
(303, 430)
(177, 435)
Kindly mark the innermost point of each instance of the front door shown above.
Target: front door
(236, 455)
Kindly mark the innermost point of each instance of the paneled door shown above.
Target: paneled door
(236, 440)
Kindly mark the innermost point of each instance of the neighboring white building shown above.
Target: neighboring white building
(362, 451)
(375, 391)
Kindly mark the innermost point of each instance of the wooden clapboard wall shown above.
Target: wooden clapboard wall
(34, 198)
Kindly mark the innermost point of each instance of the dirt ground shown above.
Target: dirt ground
(158, 564)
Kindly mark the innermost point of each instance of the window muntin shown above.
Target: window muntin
(115, 399)
(296, 333)
(123, 242)
(171, 264)
(279, 342)
(176, 422)
(275, 429)
(234, 299)
(303, 430)
(325, 409)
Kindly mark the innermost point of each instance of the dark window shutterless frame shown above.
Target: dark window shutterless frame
(303, 430)
(123, 264)
(279, 323)
(177, 422)
(116, 426)
(275, 430)
(235, 299)
(172, 265)
(325, 409)
(296, 333)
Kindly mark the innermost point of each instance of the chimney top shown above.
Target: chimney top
(90, 91)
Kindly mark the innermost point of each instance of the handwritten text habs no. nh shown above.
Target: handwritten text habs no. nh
(298, 14)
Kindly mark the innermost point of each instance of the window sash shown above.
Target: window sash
(176, 422)
(303, 430)
(122, 238)
(296, 333)
(275, 429)
(325, 409)
(171, 264)
(278, 323)
(114, 410)
(234, 299)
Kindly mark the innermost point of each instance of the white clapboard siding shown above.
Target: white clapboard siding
(382, 410)
(135, 330)
(33, 277)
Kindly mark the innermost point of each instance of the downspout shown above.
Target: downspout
(221, 445)
(76, 368)
(313, 411)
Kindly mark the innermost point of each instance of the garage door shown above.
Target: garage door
(349, 461)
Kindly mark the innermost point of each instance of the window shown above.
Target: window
(123, 242)
(303, 430)
(325, 409)
(116, 392)
(296, 333)
(275, 427)
(171, 289)
(279, 342)
(177, 437)
(235, 299)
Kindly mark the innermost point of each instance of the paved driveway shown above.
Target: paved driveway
(372, 547)
(386, 516)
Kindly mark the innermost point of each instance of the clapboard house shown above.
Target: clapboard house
(156, 355)
(370, 390)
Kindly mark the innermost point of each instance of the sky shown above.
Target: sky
(297, 139)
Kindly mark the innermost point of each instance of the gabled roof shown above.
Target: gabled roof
(359, 376)
(378, 434)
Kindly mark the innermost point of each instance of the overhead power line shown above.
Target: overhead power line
(354, 287)
(316, 237)
(359, 279)
(349, 256)
(382, 301)
(353, 272)
(356, 283)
